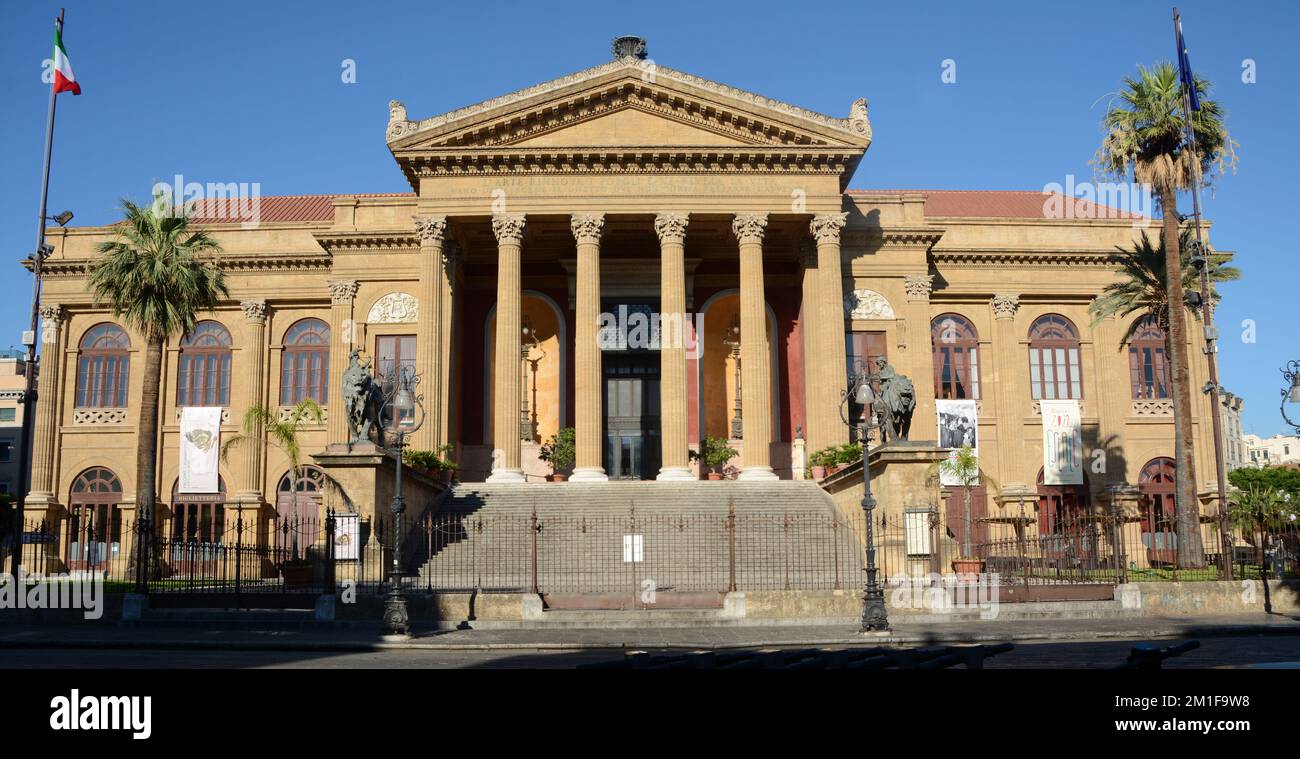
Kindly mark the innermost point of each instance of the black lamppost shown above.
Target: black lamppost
(874, 616)
(732, 340)
(1291, 394)
(404, 410)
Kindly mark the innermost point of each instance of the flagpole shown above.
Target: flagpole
(29, 366)
(1207, 310)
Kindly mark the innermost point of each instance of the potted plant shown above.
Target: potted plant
(559, 452)
(426, 461)
(846, 454)
(447, 467)
(714, 453)
(821, 461)
(297, 573)
(963, 467)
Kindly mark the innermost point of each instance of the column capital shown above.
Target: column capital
(508, 228)
(749, 227)
(342, 291)
(254, 310)
(52, 317)
(430, 229)
(826, 227)
(587, 227)
(918, 286)
(1005, 305)
(671, 227)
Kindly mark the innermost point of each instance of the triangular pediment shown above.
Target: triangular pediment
(628, 103)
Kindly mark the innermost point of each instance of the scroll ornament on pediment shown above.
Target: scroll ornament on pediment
(398, 124)
(867, 304)
(858, 121)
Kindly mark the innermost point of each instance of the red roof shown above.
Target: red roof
(1007, 204)
(272, 208)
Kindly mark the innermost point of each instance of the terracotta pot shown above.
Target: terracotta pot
(557, 477)
(967, 566)
(446, 475)
(714, 476)
(819, 472)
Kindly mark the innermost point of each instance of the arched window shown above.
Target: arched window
(297, 506)
(305, 362)
(1054, 371)
(94, 519)
(956, 357)
(203, 374)
(1148, 363)
(1159, 524)
(103, 367)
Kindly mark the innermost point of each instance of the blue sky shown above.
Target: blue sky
(251, 92)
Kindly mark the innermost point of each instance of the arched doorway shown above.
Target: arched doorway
(198, 529)
(297, 511)
(1067, 537)
(1159, 519)
(94, 519)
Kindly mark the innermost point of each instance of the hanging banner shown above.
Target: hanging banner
(958, 427)
(200, 444)
(1062, 443)
(347, 536)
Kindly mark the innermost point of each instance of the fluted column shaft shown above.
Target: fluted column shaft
(1011, 405)
(46, 427)
(755, 364)
(506, 467)
(254, 376)
(830, 371)
(675, 464)
(589, 390)
(429, 354)
(342, 334)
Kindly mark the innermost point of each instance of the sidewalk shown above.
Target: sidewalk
(365, 636)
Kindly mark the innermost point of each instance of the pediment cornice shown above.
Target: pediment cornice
(363, 241)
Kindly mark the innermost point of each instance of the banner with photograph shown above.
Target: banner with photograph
(200, 449)
(958, 427)
(1062, 443)
(347, 536)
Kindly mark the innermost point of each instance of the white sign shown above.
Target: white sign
(1062, 443)
(958, 427)
(200, 449)
(633, 548)
(347, 534)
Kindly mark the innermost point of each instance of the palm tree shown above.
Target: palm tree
(1141, 286)
(963, 466)
(1146, 137)
(157, 275)
(283, 434)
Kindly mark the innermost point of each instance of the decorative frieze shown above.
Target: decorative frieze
(286, 413)
(918, 286)
(671, 227)
(1153, 407)
(867, 304)
(1005, 305)
(394, 308)
(749, 227)
(508, 228)
(225, 415)
(99, 416)
(587, 227)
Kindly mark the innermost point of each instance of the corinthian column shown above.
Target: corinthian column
(342, 293)
(829, 372)
(46, 427)
(509, 231)
(249, 488)
(671, 228)
(588, 466)
(755, 364)
(1010, 399)
(432, 232)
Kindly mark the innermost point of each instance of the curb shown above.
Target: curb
(643, 643)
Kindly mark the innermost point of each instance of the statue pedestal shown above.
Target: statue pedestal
(360, 479)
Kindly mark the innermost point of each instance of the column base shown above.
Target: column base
(589, 474)
(676, 474)
(507, 476)
(757, 473)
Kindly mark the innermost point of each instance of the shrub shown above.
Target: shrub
(714, 452)
(559, 450)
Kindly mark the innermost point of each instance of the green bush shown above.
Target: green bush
(825, 457)
(849, 453)
(422, 459)
(714, 452)
(559, 450)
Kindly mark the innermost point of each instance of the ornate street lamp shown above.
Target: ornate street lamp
(404, 410)
(527, 419)
(732, 340)
(1291, 394)
(874, 616)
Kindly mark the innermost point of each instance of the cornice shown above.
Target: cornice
(366, 241)
(976, 258)
(62, 268)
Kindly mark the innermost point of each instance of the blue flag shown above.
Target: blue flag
(1185, 69)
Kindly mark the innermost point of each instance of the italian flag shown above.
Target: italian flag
(64, 79)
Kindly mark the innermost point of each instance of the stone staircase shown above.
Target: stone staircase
(629, 537)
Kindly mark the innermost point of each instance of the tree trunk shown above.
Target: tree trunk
(966, 552)
(1191, 553)
(146, 468)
